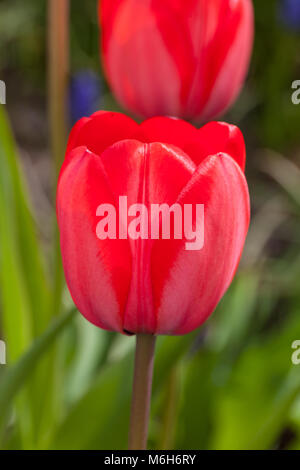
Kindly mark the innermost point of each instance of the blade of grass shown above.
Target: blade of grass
(14, 379)
(20, 226)
(24, 289)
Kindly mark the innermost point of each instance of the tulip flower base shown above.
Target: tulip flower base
(141, 394)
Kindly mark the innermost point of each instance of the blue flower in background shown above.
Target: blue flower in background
(85, 94)
(289, 13)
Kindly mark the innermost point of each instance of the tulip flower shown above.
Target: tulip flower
(141, 284)
(161, 161)
(184, 58)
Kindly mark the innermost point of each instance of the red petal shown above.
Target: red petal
(146, 59)
(221, 32)
(228, 57)
(98, 272)
(74, 133)
(213, 138)
(216, 137)
(168, 130)
(101, 130)
(147, 173)
(188, 285)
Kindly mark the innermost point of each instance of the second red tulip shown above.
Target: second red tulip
(184, 58)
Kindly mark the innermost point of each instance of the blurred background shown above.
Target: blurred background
(66, 384)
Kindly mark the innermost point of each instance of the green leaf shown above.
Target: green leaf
(285, 173)
(169, 350)
(18, 233)
(252, 407)
(16, 375)
(102, 414)
(24, 290)
(197, 402)
(92, 347)
(100, 419)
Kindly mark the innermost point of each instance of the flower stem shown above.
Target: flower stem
(141, 395)
(58, 71)
(58, 50)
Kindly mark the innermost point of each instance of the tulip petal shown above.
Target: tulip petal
(98, 272)
(147, 174)
(143, 72)
(162, 169)
(232, 47)
(73, 137)
(219, 137)
(187, 285)
(168, 130)
(101, 130)
(213, 138)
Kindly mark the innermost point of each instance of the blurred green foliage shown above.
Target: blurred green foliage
(230, 385)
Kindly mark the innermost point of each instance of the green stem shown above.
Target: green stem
(58, 50)
(141, 394)
(58, 71)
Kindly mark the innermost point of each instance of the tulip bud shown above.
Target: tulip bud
(152, 219)
(184, 58)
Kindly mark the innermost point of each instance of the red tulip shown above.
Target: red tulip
(148, 285)
(185, 58)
